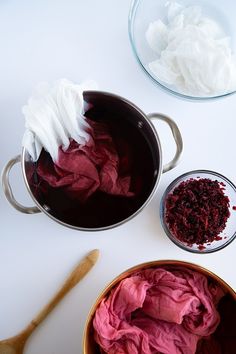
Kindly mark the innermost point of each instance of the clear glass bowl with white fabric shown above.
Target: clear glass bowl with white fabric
(144, 12)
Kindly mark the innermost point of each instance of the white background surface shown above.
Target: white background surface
(47, 40)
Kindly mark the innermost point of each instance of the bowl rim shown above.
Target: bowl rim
(131, 17)
(141, 266)
(162, 208)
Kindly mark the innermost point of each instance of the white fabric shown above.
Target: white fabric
(193, 53)
(53, 115)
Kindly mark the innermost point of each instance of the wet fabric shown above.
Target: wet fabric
(81, 170)
(158, 311)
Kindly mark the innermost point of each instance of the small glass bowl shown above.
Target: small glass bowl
(143, 12)
(227, 235)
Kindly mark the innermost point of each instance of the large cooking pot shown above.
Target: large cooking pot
(137, 129)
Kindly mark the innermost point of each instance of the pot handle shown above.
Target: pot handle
(177, 137)
(8, 191)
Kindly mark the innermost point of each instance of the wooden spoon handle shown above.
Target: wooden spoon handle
(77, 274)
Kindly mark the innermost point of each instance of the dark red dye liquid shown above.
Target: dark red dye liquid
(101, 209)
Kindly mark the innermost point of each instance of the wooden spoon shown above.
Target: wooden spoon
(15, 345)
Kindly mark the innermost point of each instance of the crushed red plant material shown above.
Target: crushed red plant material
(197, 210)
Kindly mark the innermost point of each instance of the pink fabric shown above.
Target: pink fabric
(81, 170)
(157, 311)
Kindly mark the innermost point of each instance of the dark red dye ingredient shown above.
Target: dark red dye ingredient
(234, 207)
(218, 238)
(197, 211)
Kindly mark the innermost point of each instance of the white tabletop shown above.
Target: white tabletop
(47, 40)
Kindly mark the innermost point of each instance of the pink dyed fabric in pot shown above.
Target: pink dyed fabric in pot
(157, 310)
(82, 170)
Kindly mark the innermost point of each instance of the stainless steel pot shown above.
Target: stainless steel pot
(141, 121)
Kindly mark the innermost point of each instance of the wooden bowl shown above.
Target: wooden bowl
(89, 345)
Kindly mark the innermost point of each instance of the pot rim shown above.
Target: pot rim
(157, 176)
(145, 265)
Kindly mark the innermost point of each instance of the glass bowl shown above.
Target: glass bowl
(229, 232)
(144, 12)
